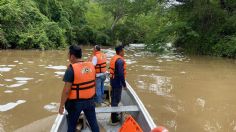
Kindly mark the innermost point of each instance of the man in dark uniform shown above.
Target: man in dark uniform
(117, 80)
(78, 101)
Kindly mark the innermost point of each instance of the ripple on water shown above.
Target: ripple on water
(10, 105)
(52, 107)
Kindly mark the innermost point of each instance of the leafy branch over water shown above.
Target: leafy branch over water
(205, 27)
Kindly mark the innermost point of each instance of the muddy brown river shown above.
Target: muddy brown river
(182, 93)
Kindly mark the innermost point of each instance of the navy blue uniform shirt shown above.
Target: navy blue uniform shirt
(119, 79)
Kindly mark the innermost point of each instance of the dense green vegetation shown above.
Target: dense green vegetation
(205, 27)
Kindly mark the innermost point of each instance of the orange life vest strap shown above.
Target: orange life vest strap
(100, 66)
(84, 88)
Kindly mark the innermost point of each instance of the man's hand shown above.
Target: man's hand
(61, 110)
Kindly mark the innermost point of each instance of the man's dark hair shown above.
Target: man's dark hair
(119, 49)
(76, 51)
(97, 47)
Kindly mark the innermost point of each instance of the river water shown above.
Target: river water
(182, 93)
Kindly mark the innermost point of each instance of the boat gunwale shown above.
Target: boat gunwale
(143, 110)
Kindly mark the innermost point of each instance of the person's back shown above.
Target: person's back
(79, 91)
(99, 61)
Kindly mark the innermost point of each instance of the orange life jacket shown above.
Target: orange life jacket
(113, 63)
(83, 86)
(101, 62)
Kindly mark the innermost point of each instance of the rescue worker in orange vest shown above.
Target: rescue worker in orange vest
(79, 91)
(117, 80)
(99, 61)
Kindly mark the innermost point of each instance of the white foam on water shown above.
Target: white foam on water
(15, 85)
(200, 102)
(57, 67)
(163, 85)
(25, 89)
(23, 78)
(8, 80)
(11, 105)
(59, 73)
(8, 91)
(16, 61)
(11, 65)
(41, 74)
(1, 128)
(130, 61)
(5, 69)
(20, 63)
(3, 65)
(168, 60)
(212, 126)
(31, 62)
(183, 72)
(23, 82)
(140, 81)
(52, 107)
(41, 65)
(160, 61)
(1, 85)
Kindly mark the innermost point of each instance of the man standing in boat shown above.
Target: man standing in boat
(117, 80)
(99, 61)
(79, 90)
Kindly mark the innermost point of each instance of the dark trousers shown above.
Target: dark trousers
(115, 99)
(74, 109)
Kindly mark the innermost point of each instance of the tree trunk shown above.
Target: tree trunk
(222, 4)
(117, 18)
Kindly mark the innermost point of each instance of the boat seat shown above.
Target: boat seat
(129, 108)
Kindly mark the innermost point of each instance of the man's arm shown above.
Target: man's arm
(64, 96)
(120, 70)
(68, 79)
(94, 60)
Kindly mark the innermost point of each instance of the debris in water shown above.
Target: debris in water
(11, 105)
